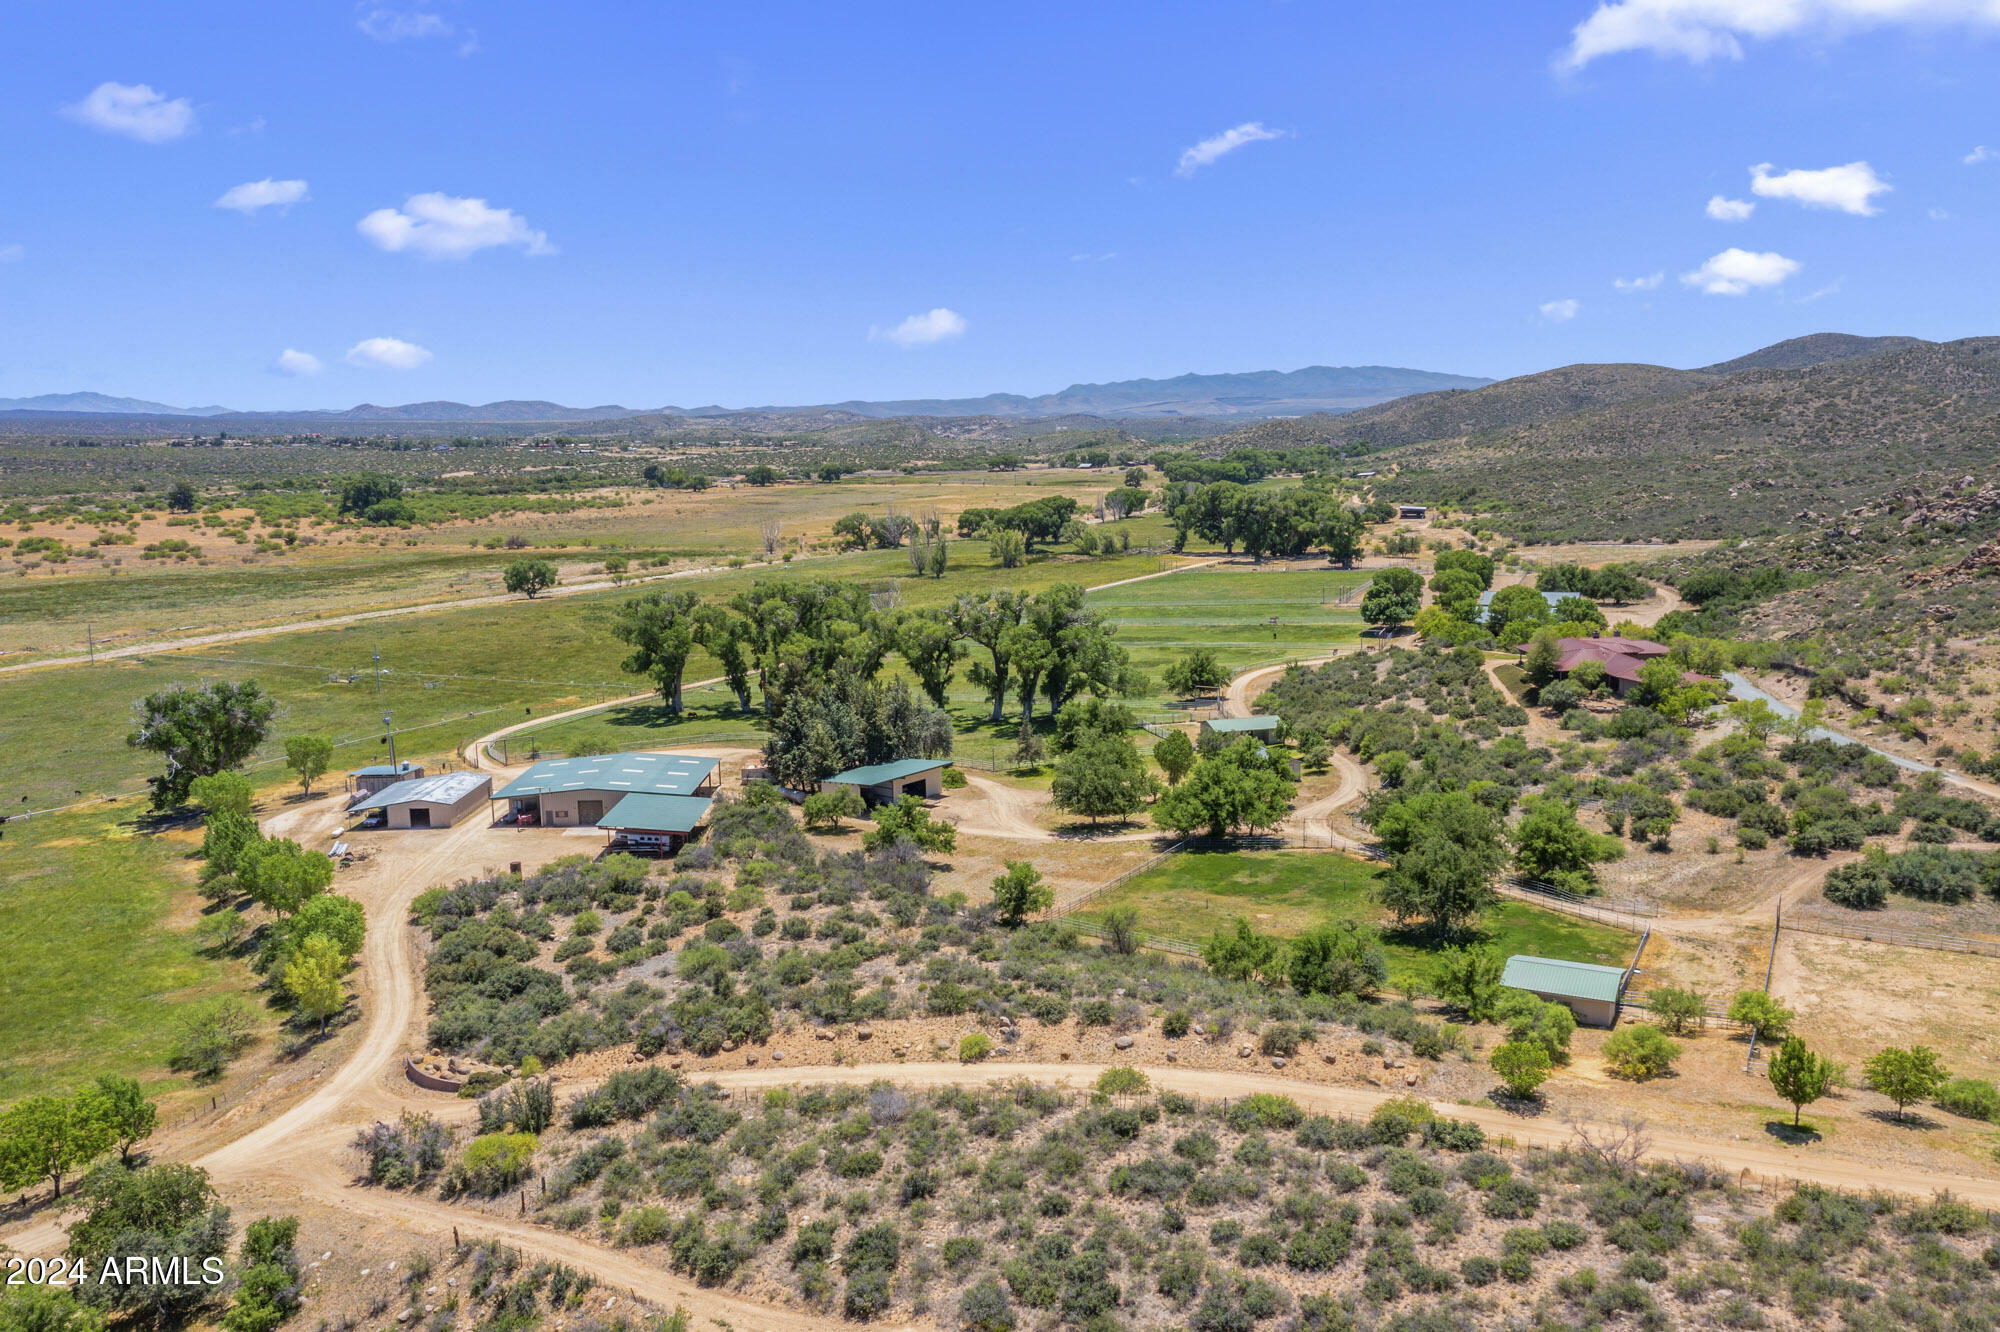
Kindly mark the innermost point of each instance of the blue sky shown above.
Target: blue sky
(783, 203)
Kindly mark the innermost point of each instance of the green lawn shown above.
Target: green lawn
(99, 962)
(1285, 893)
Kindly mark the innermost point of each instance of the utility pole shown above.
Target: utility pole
(390, 727)
(378, 672)
(91, 636)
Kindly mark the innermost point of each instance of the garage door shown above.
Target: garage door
(589, 811)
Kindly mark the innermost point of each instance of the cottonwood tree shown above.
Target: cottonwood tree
(48, 1137)
(986, 620)
(932, 648)
(280, 874)
(314, 979)
(1393, 597)
(661, 629)
(1550, 845)
(127, 1111)
(1175, 755)
(1341, 531)
(1102, 778)
(201, 730)
(1445, 847)
(1196, 673)
(308, 756)
(529, 576)
(1800, 1076)
(1243, 786)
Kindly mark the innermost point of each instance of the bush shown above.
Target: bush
(1122, 1082)
(1973, 1098)
(1176, 1024)
(974, 1047)
(1640, 1052)
(493, 1162)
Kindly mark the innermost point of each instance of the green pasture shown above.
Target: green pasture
(1285, 893)
(100, 962)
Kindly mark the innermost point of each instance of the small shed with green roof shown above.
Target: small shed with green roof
(881, 783)
(1264, 728)
(1588, 989)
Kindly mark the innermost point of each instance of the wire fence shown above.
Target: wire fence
(1063, 906)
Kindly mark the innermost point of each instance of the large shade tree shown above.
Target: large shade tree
(200, 730)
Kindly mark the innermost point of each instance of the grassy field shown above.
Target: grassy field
(95, 916)
(53, 609)
(1285, 893)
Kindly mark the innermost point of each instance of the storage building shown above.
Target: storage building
(1264, 728)
(579, 792)
(881, 783)
(371, 779)
(1587, 989)
(657, 823)
(430, 802)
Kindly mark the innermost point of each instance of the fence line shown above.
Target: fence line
(1064, 906)
(1814, 923)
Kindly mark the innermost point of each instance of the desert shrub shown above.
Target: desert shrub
(1640, 1052)
(1974, 1098)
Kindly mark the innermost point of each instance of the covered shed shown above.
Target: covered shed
(1412, 511)
(1587, 989)
(1264, 728)
(658, 823)
(881, 783)
(376, 776)
(430, 802)
(579, 792)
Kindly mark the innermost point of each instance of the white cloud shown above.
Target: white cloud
(1850, 189)
(1979, 155)
(1734, 272)
(1650, 282)
(294, 362)
(415, 25)
(1221, 145)
(387, 354)
(1830, 289)
(1093, 258)
(12, 254)
(1560, 312)
(134, 111)
(439, 226)
(248, 197)
(1940, 215)
(1729, 210)
(921, 330)
(1704, 30)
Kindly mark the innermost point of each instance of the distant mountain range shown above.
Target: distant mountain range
(101, 404)
(1261, 393)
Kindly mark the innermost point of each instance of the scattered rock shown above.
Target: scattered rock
(1064, 1056)
(1328, 1056)
(1278, 1061)
(328, 1254)
(776, 1056)
(864, 1032)
(675, 1064)
(1244, 1052)
(1123, 1043)
(1197, 1029)
(1409, 1079)
(1399, 1063)
(1388, 1062)
(451, 1281)
(406, 1315)
(750, 1061)
(1173, 1057)
(364, 1271)
(430, 1290)
(727, 1046)
(822, 1034)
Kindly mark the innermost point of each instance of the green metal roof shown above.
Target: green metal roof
(877, 774)
(1571, 980)
(657, 813)
(1231, 725)
(643, 773)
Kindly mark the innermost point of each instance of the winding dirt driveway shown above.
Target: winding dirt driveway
(304, 1151)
